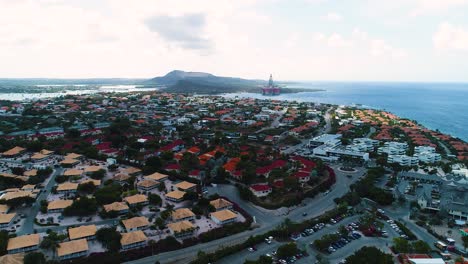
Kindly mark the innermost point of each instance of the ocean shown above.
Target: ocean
(442, 106)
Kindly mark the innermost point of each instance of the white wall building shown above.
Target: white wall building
(403, 160)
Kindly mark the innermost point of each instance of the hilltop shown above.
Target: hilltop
(206, 83)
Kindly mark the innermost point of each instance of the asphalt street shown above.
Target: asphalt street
(267, 221)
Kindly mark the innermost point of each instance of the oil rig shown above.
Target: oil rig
(271, 88)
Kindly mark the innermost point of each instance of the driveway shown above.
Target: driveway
(28, 226)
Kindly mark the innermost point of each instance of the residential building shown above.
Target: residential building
(57, 206)
(132, 171)
(118, 207)
(72, 172)
(221, 204)
(223, 217)
(147, 185)
(182, 214)
(260, 190)
(159, 177)
(4, 208)
(186, 186)
(14, 152)
(6, 219)
(24, 243)
(67, 188)
(403, 160)
(428, 157)
(86, 231)
(72, 249)
(136, 223)
(137, 199)
(393, 148)
(175, 196)
(131, 240)
(182, 229)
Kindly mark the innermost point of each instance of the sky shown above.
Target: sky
(341, 40)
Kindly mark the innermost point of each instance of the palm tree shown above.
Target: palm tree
(49, 244)
(151, 243)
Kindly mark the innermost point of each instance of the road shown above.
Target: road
(28, 225)
(314, 207)
(276, 122)
(304, 242)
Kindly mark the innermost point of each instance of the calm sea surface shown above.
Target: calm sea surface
(434, 105)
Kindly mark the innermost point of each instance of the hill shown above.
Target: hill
(201, 82)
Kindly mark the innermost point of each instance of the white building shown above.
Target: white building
(428, 157)
(403, 160)
(393, 148)
(460, 172)
(424, 149)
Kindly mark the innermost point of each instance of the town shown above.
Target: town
(156, 177)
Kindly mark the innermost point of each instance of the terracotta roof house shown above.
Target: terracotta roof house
(223, 217)
(182, 214)
(221, 204)
(67, 187)
(132, 171)
(73, 156)
(175, 196)
(4, 208)
(17, 194)
(147, 185)
(23, 243)
(6, 219)
(73, 172)
(133, 239)
(121, 178)
(136, 223)
(186, 186)
(137, 199)
(12, 258)
(58, 206)
(14, 152)
(85, 231)
(119, 207)
(37, 157)
(91, 169)
(159, 177)
(69, 162)
(72, 249)
(94, 182)
(181, 229)
(30, 173)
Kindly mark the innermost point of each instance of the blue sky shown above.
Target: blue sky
(363, 40)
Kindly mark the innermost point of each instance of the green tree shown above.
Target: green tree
(287, 250)
(154, 199)
(87, 187)
(34, 258)
(109, 238)
(3, 242)
(98, 175)
(401, 245)
(83, 206)
(465, 241)
(421, 247)
(369, 255)
(108, 194)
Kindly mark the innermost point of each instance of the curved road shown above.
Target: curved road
(267, 221)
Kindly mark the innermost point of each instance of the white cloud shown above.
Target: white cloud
(434, 6)
(333, 17)
(380, 48)
(450, 37)
(335, 40)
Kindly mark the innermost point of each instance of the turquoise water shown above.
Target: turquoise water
(442, 106)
